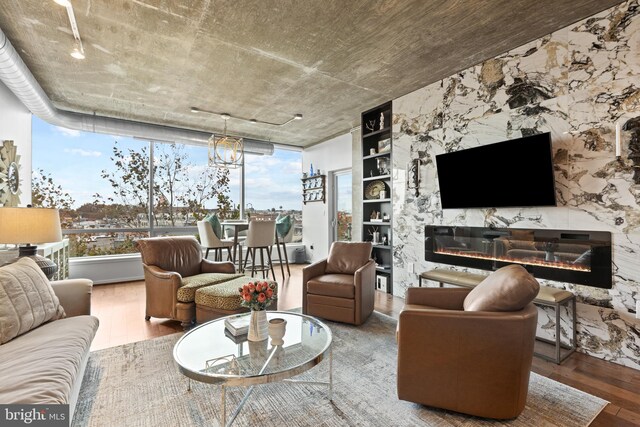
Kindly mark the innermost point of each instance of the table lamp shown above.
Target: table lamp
(24, 226)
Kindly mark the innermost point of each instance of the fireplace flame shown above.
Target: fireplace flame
(526, 261)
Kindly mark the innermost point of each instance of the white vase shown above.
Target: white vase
(277, 329)
(258, 326)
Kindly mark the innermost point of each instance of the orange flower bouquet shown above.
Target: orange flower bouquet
(258, 295)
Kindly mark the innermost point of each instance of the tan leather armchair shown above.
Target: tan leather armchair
(342, 287)
(166, 261)
(474, 362)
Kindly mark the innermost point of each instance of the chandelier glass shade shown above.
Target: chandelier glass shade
(225, 151)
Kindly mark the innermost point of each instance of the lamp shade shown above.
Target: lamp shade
(29, 225)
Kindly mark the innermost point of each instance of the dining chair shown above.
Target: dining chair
(261, 235)
(209, 240)
(283, 239)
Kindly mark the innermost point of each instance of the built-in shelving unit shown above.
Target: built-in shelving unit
(314, 189)
(377, 190)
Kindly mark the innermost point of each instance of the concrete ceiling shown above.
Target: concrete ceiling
(151, 60)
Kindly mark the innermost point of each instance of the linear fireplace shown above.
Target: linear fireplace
(573, 256)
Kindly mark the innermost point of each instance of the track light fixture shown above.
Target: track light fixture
(78, 50)
(227, 116)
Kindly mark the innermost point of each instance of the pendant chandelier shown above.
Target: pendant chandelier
(225, 151)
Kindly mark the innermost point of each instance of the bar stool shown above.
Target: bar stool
(209, 240)
(261, 235)
(283, 240)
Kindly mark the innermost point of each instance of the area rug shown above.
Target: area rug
(138, 384)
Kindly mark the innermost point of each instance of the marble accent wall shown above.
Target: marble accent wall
(575, 83)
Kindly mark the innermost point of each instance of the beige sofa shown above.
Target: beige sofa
(46, 364)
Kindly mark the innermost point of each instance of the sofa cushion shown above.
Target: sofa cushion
(187, 292)
(510, 288)
(26, 299)
(347, 257)
(332, 285)
(42, 366)
(224, 296)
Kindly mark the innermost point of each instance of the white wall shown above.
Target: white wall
(329, 156)
(15, 124)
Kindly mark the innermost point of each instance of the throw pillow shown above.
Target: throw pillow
(347, 257)
(215, 225)
(283, 225)
(27, 299)
(509, 288)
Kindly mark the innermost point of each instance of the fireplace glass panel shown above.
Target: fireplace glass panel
(552, 254)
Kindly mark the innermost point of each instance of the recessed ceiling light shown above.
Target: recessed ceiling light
(64, 3)
(297, 117)
(225, 116)
(195, 110)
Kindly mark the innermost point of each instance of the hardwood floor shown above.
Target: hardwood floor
(120, 308)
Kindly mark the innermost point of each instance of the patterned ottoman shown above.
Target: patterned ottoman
(223, 299)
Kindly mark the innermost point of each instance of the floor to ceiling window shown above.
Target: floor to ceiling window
(272, 186)
(101, 184)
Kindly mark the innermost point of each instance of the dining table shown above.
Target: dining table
(237, 226)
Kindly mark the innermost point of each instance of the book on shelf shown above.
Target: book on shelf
(376, 220)
(238, 325)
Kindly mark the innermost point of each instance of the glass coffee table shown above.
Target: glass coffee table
(210, 354)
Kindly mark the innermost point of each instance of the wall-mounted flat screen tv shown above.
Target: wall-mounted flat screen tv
(513, 173)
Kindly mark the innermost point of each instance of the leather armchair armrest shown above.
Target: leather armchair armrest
(309, 272)
(217, 267)
(74, 295)
(445, 298)
(314, 270)
(364, 280)
(161, 274)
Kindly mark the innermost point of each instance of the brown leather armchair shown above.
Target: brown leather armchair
(166, 261)
(474, 362)
(342, 287)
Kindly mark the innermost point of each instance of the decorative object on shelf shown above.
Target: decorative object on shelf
(385, 217)
(413, 176)
(318, 172)
(375, 235)
(374, 215)
(370, 125)
(381, 121)
(373, 190)
(384, 145)
(226, 151)
(21, 226)
(383, 165)
(304, 175)
(372, 151)
(383, 194)
(277, 329)
(9, 174)
(381, 282)
(313, 188)
(311, 170)
(258, 296)
(385, 239)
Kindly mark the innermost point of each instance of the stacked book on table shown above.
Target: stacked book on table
(237, 327)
